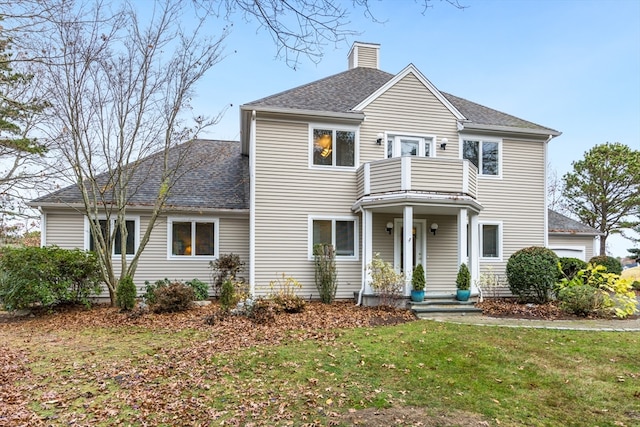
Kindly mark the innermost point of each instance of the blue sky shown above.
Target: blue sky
(572, 65)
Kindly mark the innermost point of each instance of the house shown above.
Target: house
(368, 161)
(570, 238)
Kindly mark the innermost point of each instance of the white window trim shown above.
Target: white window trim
(481, 140)
(500, 240)
(192, 220)
(136, 241)
(356, 241)
(396, 142)
(335, 127)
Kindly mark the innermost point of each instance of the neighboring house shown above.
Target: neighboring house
(570, 238)
(368, 161)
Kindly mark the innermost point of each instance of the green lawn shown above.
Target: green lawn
(504, 376)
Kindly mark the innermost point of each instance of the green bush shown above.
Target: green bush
(175, 297)
(417, 279)
(581, 300)
(150, 289)
(47, 276)
(227, 295)
(532, 273)
(200, 288)
(570, 266)
(612, 264)
(463, 279)
(326, 277)
(126, 294)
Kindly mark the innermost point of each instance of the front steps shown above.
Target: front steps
(438, 304)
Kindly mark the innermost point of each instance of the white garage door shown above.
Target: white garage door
(570, 251)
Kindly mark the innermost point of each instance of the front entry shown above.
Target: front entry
(419, 244)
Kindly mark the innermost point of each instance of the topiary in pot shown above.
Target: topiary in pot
(418, 283)
(463, 283)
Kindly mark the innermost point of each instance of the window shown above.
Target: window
(339, 232)
(190, 238)
(485, 155)
(334, 147)
(107, 227)
(491, 240)
(409, 146)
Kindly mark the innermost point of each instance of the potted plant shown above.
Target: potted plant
(463, 283)
(418, 282)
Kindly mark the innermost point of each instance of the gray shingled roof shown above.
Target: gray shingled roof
(480, 114)
(342, 92)
(559, 223)
(214, 174)
(338, 93)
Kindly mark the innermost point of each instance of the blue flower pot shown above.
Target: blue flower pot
(463, 295)
(417, 296)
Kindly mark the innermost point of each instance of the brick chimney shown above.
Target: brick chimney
(364, 55)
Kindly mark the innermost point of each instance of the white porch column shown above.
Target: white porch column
(462, 236)
(367, 249)
(474, 252)
(407, 238)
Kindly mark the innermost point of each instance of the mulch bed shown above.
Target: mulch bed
(511, 308)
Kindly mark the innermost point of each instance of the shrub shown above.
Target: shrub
(326, 280)
(532, 273)
(417, 279)
(612, 264)
(581, 300)
(463, 279)
(174, 297)
(47, 276)
(126, 294)
(227, 266)
(200, 288)
(283, 294)
(385, 281)
(570, 266)
(617, 296)
(150, 289)
(227, 295)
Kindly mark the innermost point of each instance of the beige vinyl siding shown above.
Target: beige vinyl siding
(407, 108)
(155, 263)
(367, 57)
(287, 191)
(585, 242)
(386, 176)
(517, 200)
(66, 229)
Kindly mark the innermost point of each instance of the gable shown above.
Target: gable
(418, 82)
(409, 99)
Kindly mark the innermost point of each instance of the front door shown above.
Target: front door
(419, 244)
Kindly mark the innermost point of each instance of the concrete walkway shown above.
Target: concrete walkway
(614, 325)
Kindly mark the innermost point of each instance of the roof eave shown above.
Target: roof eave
(356, 116)
(574, 233)
(469, 126)
(150, 208)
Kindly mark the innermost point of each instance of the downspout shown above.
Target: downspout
(546, 192)
(364, 259)
(252, 204)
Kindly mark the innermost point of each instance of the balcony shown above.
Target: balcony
(423, 179)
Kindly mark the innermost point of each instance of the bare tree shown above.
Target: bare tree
(554, 191)
(120, 88)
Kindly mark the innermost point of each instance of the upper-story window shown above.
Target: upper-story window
(333, 146)
(484, 154)
(409, 146)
